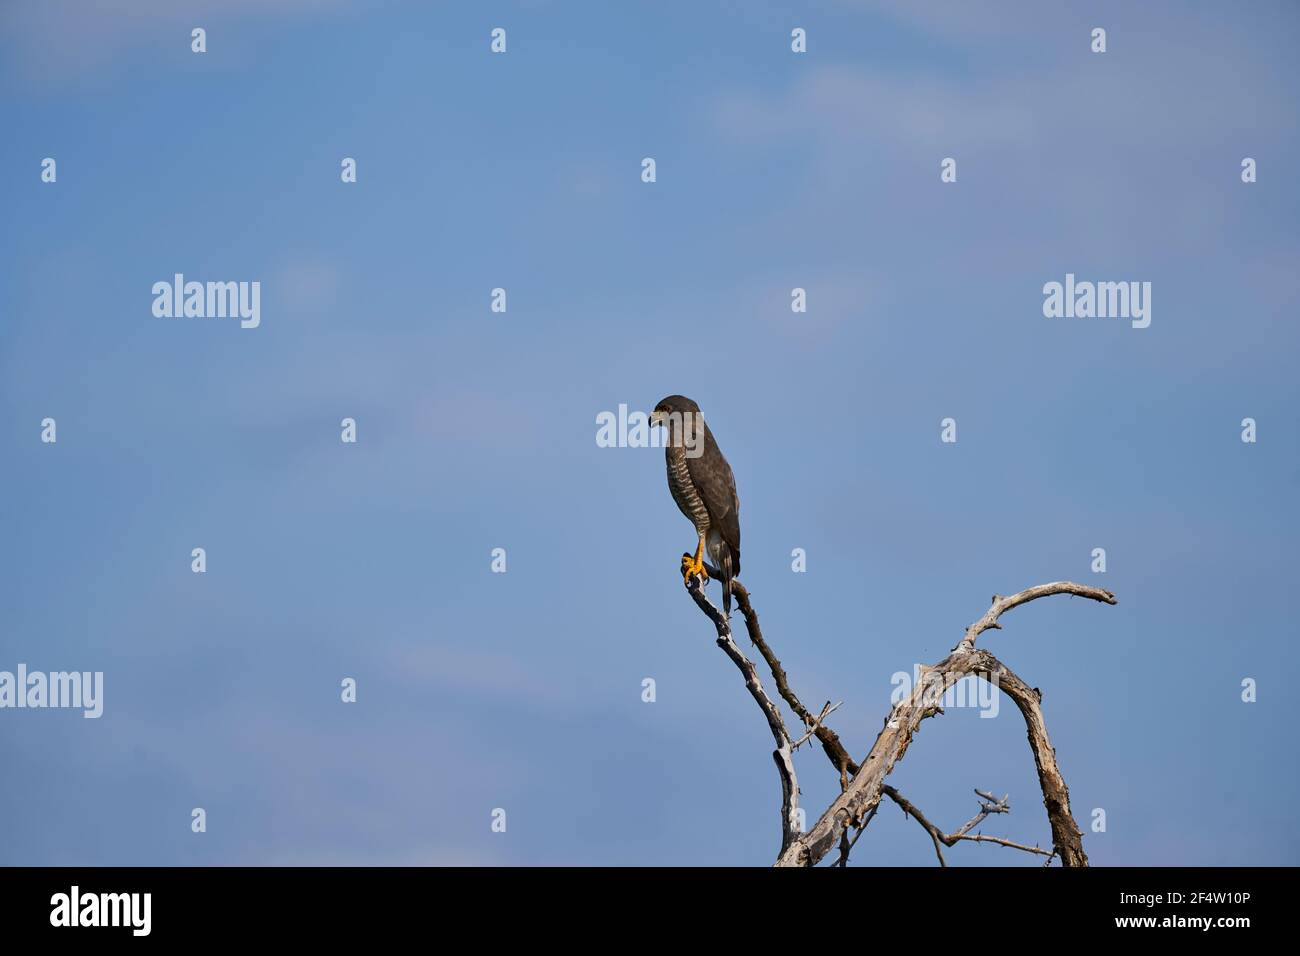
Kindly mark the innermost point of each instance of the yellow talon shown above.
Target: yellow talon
(691, 569)
(694, 567)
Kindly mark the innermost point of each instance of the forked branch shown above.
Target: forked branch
(992, 804)
(863, 784)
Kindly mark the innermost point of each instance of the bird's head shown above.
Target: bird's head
(684, 422)
(679, 404)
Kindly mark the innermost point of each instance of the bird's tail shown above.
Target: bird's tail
(727, 574)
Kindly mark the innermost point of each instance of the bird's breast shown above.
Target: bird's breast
(684, 491)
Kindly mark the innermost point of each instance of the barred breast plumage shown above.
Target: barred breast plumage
(684, 491)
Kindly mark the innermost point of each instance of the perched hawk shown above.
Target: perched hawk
(704, 488)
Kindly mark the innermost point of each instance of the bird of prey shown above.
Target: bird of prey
(704, 488)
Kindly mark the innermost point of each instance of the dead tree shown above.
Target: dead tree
(863, 784)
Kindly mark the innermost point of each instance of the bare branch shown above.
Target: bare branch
(941, 839)
(1003, 604)
(980, 838)
(862, 795)
(990, 804)
(827, 709)
(1066, 838)
(828, 738)
(784, 753)
(847, 845)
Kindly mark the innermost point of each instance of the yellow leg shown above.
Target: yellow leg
(692, 567)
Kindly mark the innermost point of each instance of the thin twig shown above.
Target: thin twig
(942, 839)
(827, 709)
(829, 739)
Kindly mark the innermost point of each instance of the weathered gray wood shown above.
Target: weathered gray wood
(783, 756)
(862, 795)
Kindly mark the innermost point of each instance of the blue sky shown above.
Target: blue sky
(477, 430)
